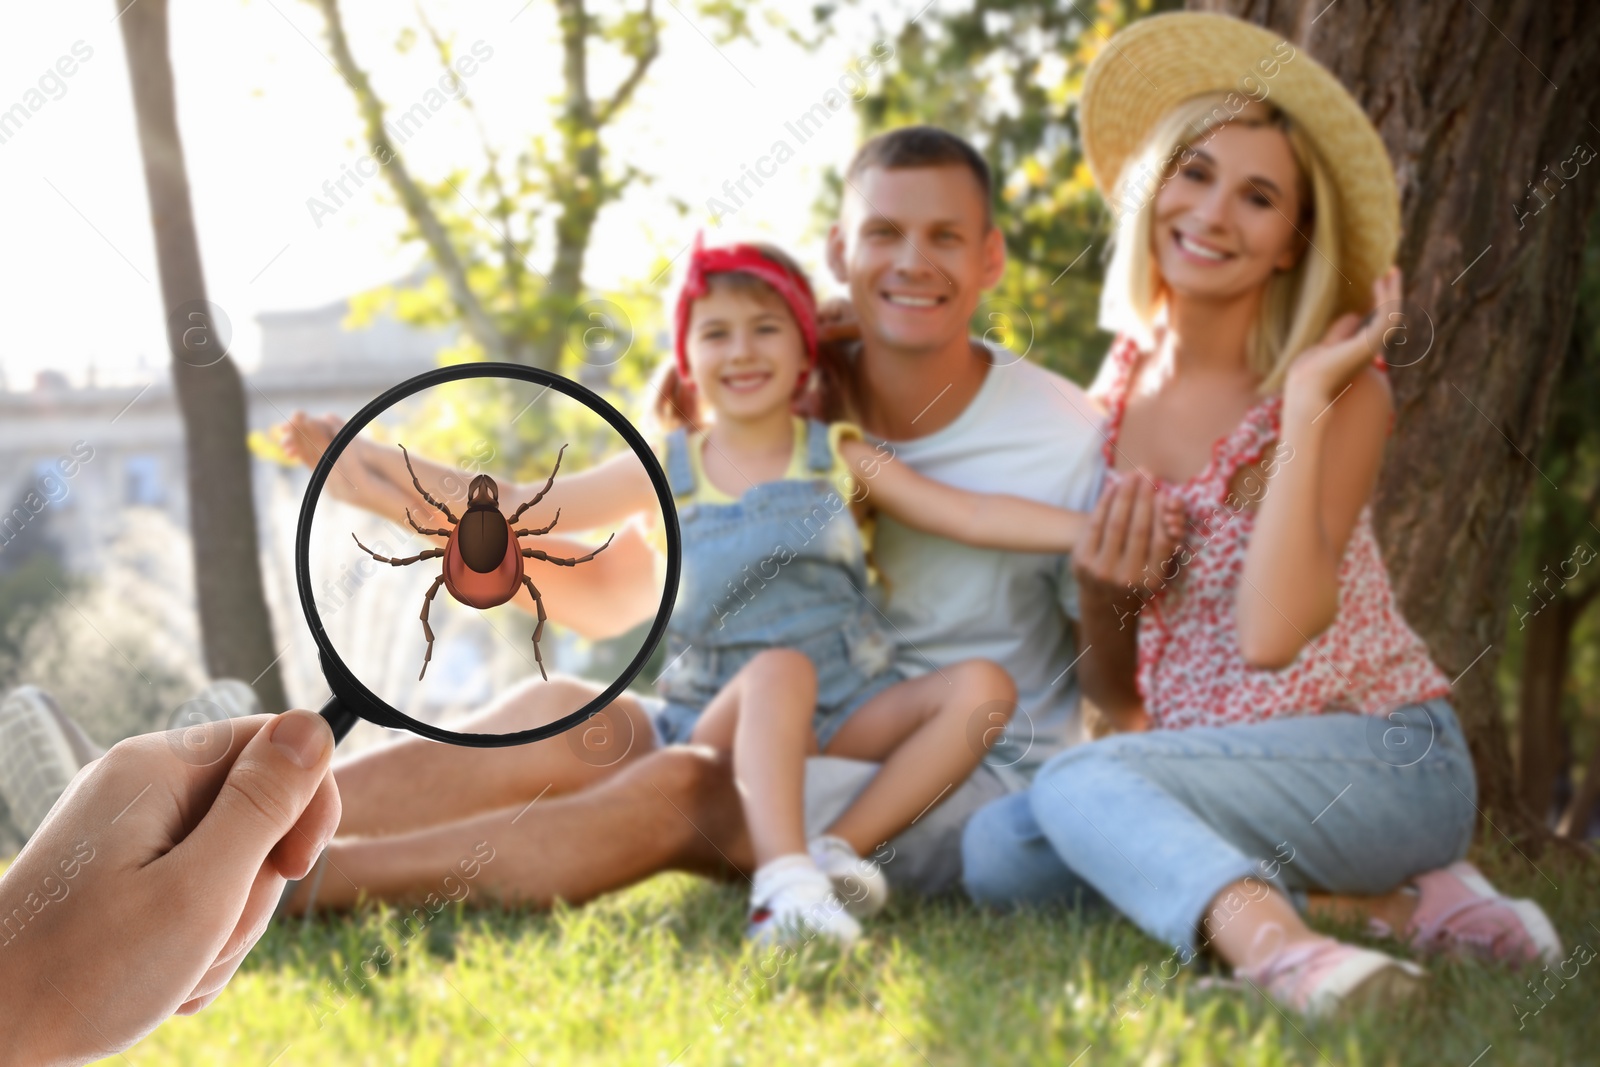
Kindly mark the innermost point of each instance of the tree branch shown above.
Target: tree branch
(509, 254)
(412, 198)
(641, 64)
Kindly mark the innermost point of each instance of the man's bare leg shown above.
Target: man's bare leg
(674, 809)
(411, 782)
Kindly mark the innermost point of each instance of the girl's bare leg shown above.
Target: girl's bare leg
(921, 730)
(411, 783)
(763, 716)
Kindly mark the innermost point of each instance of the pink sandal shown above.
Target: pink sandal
(1457, 909)
(1320, 976)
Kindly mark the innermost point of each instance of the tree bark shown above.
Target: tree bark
(1474, 102)
(235, 629)
(1544, 679)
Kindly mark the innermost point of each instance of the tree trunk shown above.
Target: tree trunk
(1544, 679)
(1474, 102)
(235, 628)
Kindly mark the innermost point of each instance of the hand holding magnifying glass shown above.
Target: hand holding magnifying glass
(151, 879)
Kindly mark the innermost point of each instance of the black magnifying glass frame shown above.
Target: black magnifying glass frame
(351, 699)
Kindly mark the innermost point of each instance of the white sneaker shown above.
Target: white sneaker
(40, 752)
(860, 883)
(792, 901)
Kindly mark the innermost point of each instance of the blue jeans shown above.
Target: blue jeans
(1156, 824)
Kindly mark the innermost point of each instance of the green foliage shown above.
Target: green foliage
(660, 974)
(1006, 75)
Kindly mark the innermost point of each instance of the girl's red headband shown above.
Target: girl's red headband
(745, 259)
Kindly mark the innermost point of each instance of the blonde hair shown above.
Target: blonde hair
(1299, 302)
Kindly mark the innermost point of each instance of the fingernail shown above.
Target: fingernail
(302, 736)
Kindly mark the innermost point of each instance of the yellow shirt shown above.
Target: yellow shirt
(799, 465)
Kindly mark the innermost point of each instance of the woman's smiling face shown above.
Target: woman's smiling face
(1231, 215)
(746, 351)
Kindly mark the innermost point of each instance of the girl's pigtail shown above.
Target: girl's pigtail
(831, 393)
(677, 402)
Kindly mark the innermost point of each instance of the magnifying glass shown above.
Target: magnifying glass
(446, 612)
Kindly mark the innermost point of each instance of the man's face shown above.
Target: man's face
(915, 249)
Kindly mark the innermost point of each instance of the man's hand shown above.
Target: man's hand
(1101, 723)
(153, 876)
(836, 321)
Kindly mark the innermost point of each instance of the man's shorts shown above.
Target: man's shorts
(926, 856)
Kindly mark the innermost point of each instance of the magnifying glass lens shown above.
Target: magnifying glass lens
(468, 612)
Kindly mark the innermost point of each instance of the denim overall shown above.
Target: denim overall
(781, 567)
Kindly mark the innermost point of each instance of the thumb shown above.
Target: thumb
(266, 791)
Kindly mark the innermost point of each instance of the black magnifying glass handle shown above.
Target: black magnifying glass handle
(340, 717)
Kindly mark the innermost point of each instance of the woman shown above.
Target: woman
(1285, 731)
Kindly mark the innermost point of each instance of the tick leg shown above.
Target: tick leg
(432, 553)
(538, 629)
(534, 553)
(430, 533)
(423, 491)
(542, 529)
(515, 515)
(427, 631)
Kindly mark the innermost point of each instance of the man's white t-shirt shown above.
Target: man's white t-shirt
(1030, 433)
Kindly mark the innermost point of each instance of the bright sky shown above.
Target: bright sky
(266, 121)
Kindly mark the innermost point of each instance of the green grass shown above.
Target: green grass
(659, 975)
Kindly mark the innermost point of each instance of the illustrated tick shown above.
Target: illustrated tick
(483, 558)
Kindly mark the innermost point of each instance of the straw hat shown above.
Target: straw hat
(1156, 63)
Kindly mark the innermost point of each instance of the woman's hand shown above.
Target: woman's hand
(1131, 535)
(1322, 372)
(1119, 564)
(153, 876)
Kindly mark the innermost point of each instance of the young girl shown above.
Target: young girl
(777, 648)
(1248, 228)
